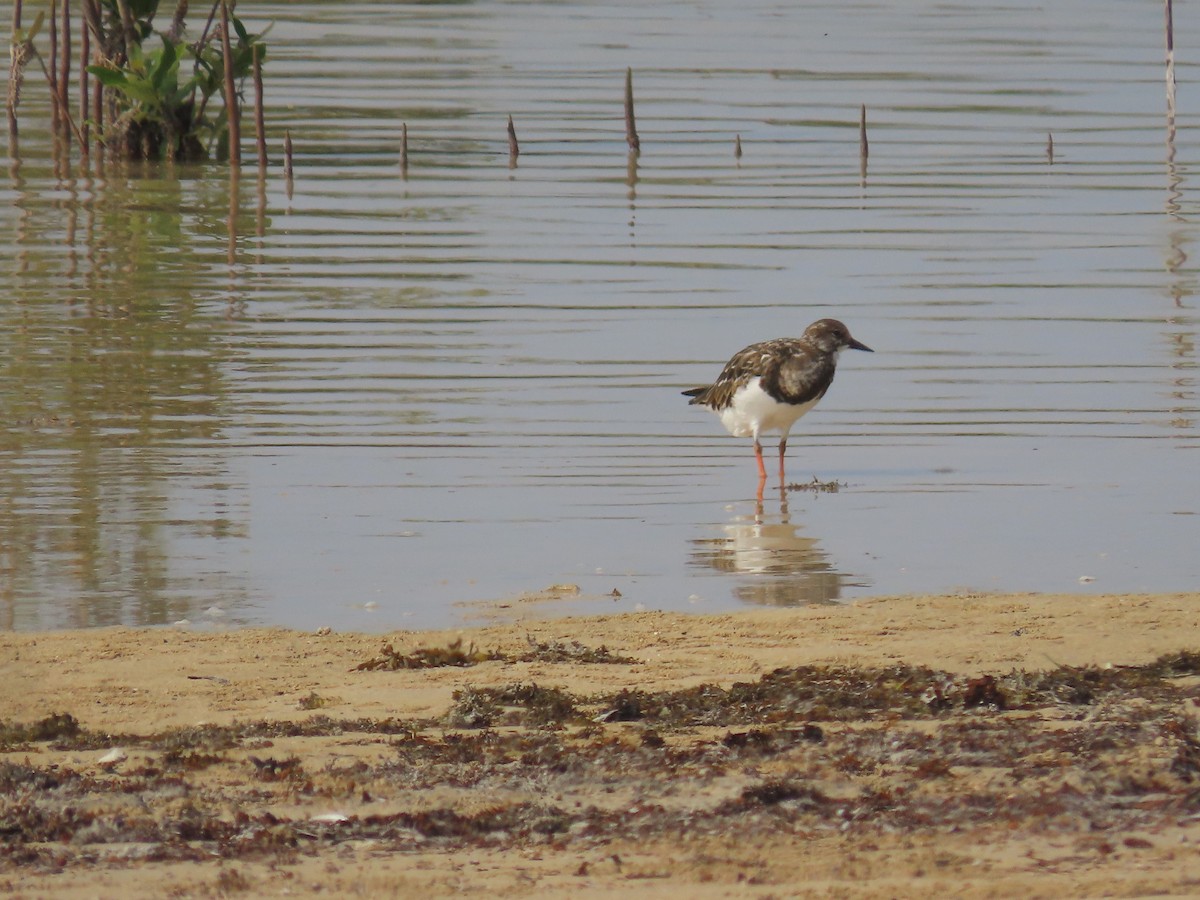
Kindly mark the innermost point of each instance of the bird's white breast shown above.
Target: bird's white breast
(753, 411)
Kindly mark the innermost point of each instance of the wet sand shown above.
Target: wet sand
(844, 751)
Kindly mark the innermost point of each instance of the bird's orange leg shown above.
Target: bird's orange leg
(782, 450)
(762, 469)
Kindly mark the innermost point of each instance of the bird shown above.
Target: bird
(768, 386)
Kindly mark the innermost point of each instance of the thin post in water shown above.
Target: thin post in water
(16, 72)
(84, 93)
(98, 115)
(1049, 147)
(1170, 25)
(52, 73)
(287, 163)
(864, 148)
(404, 149)
(260, 128)
(514, 149)
(64, 77)
(737, 147)
(232, 115)
(631, 135)
(63, 123)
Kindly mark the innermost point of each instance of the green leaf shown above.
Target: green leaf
(179, 96)
(168, 57)
(141, 91)
(26, 35)
(240, 29)
(113, 78)
(207, 78)
(136, 62)
(243, 62)
(135, 88)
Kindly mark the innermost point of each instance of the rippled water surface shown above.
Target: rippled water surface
(396, 393)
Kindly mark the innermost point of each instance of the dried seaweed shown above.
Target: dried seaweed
(1094, 751)
(774, 792)
(390, 659)
(574, 652)
(816, 486)
(516, 704)
(54, 727)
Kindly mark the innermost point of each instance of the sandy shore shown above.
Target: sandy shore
(846, 751)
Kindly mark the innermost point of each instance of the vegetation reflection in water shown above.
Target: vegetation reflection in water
(104, 380)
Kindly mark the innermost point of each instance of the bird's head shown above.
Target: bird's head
(832, 336)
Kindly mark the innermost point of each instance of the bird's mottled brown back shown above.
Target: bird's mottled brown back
(793, 370)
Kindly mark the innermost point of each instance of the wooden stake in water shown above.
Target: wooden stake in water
(98, 115)
(84, 96)
(52, 74)
(737, 147)
(514, 149)
(64, 78)
(1049, 147)
(864, 149)
(631, 135)
(232, 114)
(260, 128)
(63, 122)
(404, 149)
(287, 162)
(1170, 62)
(16, 69)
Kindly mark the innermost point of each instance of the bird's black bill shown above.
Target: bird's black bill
(858, 345)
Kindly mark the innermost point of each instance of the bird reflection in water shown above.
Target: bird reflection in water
(789, 568)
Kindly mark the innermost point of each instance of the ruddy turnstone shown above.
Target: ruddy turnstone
(770, 385)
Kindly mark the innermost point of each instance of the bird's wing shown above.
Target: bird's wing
(799, 376)
(744, 365)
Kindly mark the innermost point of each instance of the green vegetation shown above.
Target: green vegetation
(150, 92)
(160, 85)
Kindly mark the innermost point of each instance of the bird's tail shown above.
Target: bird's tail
(696, 394)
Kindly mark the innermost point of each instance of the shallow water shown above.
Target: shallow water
(393, 394)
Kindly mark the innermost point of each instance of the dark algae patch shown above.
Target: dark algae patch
(428, 657)
(454, 654)
(903, 749)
